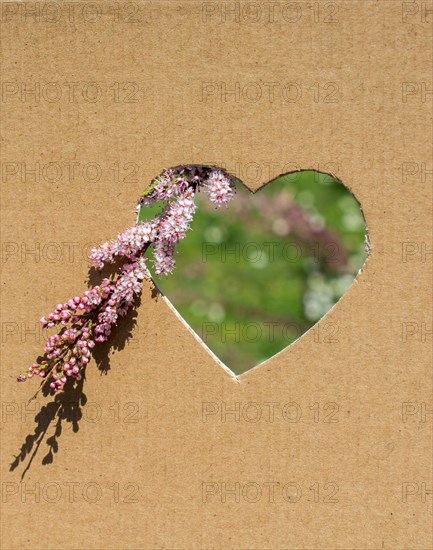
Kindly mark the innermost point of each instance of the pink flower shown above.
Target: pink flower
(163, 257)
(219, 188)
(89, 319)
(128, 244)
(175, 220)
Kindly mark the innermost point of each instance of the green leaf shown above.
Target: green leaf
(149, 189)
(146, 213)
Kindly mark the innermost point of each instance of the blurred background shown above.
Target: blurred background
(253, 277)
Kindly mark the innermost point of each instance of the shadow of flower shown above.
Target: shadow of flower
(66, 406)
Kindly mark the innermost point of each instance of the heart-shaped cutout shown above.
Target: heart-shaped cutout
(252, 278)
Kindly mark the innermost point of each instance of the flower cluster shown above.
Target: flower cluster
(128, 244)
(173, 225)
(88, 319)
(173, 183)
(169, 185)
(219, 188)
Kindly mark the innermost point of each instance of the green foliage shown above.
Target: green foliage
(252, 278)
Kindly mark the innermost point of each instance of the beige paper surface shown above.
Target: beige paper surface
(327, 445)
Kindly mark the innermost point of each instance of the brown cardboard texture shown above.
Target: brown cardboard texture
(325, 446)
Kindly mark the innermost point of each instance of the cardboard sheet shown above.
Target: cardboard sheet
(328, 445)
